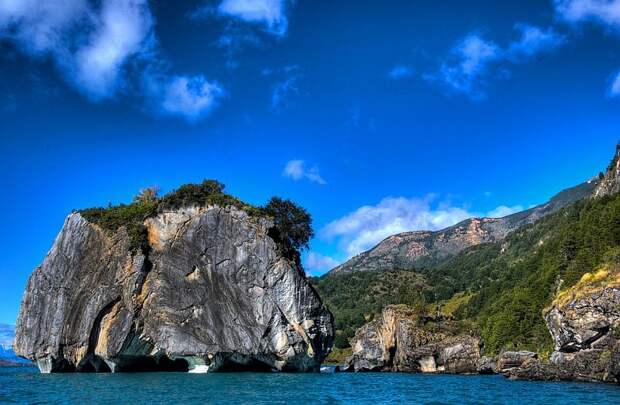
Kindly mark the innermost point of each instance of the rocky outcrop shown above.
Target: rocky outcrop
(487, 365)
(586, 331)
(212, 292)
(610, 182)
(425, 248)
(398, 341)
(509, 360)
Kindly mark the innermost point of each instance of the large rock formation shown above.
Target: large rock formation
(398, 341)
(425, 248)
(212, 292)
(585, 327)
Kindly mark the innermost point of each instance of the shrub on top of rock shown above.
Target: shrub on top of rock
(292, 228)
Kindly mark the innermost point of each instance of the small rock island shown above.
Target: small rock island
(195, 281)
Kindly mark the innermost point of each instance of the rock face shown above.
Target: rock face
(586, 332)
(414, 249)
(212, 293)
(610, 183)
(397, 342)
(510, 360)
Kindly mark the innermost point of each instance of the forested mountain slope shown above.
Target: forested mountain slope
(499, 289)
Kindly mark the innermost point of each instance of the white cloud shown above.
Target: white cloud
(317, 263)
(122, 31)
(603, 12)
(399, 72)
(365, 227)
(473, 58)
(91, 46)
(286, 83)
(503, 211)
(42, 27)
(282, 90)
(100, 46)
(614, 89)
(297, 170)
(606, 12)
(189, 97)
(270, 13)
(368, 225)
(533, 41)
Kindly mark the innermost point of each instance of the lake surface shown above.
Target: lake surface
(26, 385)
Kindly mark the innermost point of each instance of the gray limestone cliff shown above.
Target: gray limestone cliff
(211, 293)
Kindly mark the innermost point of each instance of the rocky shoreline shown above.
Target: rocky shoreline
(585, 328)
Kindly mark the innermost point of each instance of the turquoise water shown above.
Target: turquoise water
(19, 385)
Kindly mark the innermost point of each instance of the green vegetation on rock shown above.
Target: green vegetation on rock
(338, 356)
(292, 224)
(130, 216)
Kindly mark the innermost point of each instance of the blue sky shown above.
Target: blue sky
(378, 117)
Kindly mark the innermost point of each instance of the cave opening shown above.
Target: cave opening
(63, 366)
(145, 364)
(93, 364)
(251, 366)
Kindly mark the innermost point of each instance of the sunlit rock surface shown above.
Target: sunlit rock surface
(397, 341)
(586, 330)
(213, 293)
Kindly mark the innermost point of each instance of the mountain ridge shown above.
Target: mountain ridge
(412, 249)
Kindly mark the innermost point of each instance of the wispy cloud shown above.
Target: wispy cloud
(91, 46)
(282, 90)
(399, 72)
(285, 85)
(470, 60)
(102, 47)
(297, 170)
(235, 38)
(605, 12)
(363, 228)
(614, 88)
(317, 263)
(269, 13)
(122, 31)
(189, 97)
(533, 41)
(474, 57)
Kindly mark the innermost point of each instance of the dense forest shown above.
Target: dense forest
(500, 288)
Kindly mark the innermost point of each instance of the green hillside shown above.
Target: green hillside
(501, 288)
